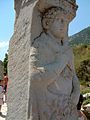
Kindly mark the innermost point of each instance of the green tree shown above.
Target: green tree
(83, 71)
(5, 63)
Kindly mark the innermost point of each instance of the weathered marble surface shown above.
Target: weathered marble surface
(44, 85)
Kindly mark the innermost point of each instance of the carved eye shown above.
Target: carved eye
(62, 20)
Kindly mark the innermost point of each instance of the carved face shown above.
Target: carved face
(59, 26)
(55, 20)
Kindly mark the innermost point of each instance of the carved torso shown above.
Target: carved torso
(47, 51)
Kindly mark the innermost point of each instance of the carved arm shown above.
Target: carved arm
(48, 71)
(75, 83)
(76, 90)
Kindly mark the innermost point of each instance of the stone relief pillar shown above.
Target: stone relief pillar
(44, 85)
(19, 51)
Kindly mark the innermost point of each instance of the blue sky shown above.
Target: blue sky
(7, 16)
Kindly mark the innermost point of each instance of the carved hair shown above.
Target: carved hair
(49, 15)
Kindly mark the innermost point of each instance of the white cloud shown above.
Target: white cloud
(3, 49)
(4, 44)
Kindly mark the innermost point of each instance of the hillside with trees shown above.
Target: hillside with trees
(81, 38)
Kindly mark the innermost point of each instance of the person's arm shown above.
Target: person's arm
(84, 116)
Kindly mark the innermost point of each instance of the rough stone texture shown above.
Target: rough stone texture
(1, 70)
(44, 84)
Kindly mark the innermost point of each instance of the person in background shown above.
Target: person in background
(81, 115)
(1, 94)
(5, 85)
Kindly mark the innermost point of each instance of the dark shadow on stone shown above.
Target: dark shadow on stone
(3, 116)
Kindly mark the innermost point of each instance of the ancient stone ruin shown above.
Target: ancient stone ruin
(44, 85)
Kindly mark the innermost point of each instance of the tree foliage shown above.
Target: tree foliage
(5, 63)
(83, 71)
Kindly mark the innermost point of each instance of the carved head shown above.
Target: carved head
(55, 20)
